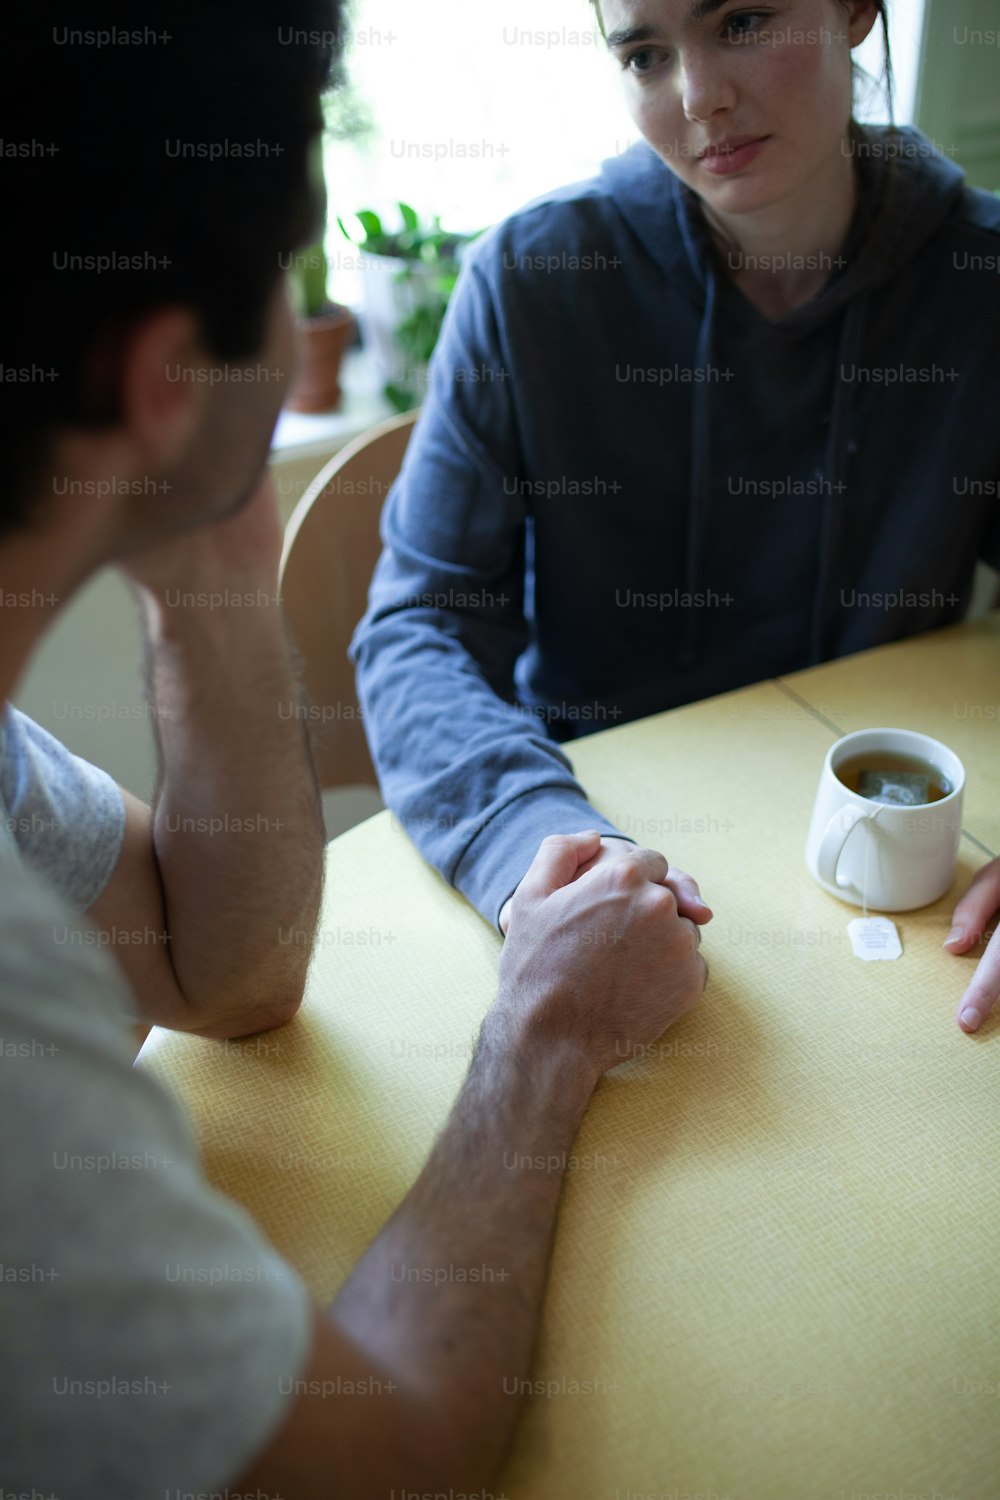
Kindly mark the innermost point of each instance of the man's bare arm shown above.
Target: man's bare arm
(438, 1320)
(229, 861)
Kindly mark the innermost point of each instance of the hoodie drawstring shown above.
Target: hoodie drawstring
(698, 498)
(837, 466)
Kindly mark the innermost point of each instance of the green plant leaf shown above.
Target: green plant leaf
(370, 223)
(308, 276)
(400, 397)
(413, 241)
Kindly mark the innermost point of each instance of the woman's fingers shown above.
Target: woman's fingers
(973, 914)
(984, 991)
(976, 910)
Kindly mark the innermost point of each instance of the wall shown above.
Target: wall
(958, 102)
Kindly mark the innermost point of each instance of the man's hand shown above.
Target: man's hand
(597, 964)
(242, 550)
(685, 889)
(598, 956)
(973, 914)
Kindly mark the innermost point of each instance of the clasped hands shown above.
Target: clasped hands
(972, 917)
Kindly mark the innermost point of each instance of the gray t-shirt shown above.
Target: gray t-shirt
(150, 1334)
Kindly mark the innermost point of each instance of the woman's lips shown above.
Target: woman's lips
(724, 159)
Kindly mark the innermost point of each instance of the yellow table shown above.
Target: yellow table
(775, 1276)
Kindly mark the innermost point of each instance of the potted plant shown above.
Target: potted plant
(409, 275)
(325, 330)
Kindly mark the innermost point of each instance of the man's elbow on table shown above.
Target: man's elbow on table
(221, 980)
(220, 1016)
(242, 1002)
(246, 1019)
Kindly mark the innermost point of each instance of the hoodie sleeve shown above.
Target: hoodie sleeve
(474, 778)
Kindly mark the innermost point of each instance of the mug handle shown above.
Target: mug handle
(838, 831)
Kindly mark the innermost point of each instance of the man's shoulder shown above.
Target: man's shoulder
(65, 815)
(54, 972)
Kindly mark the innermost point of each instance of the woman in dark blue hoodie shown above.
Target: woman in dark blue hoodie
(725, 411)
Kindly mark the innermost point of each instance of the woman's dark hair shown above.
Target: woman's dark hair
(887, 73)
(152, 155)
(883, 12)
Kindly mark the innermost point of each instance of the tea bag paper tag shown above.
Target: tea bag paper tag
(874, 939)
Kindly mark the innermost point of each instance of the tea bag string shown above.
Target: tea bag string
(864, 869)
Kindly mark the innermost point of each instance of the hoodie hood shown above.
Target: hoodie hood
(907, 191)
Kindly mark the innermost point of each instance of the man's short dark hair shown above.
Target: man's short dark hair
(151, 155)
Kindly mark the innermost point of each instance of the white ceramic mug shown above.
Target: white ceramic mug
(898, 858)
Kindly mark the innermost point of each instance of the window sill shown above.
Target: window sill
(307, 435)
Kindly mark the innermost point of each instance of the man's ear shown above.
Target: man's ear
(164, 374)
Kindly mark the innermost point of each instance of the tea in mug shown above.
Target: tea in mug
(897, 780)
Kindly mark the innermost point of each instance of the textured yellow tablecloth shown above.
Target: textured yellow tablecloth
(775, 1276)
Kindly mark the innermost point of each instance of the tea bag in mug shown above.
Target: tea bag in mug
(896, 788)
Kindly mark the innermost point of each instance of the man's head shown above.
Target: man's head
(704, 73)
(156, 170)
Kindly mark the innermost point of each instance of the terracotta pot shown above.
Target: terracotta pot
(323, 342)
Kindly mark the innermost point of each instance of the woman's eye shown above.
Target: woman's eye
(641, 62)
(745, 23)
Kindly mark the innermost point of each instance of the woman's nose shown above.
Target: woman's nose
(705, 89)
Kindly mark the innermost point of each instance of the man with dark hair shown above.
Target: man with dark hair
(155, 174)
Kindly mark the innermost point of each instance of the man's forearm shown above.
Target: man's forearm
(441, 1314)
(238, 822)
(448, 1298)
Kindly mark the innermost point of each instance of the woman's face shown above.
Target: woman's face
(770, 85)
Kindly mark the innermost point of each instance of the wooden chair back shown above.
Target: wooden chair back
(331, 547)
